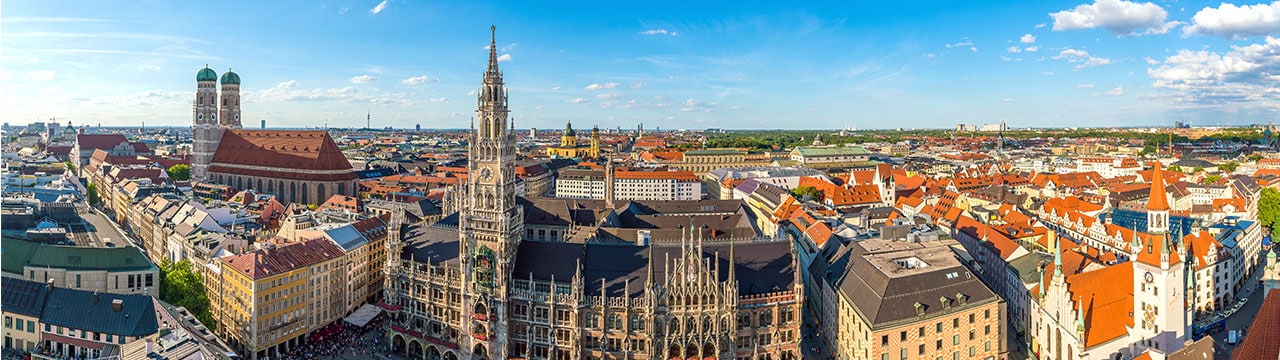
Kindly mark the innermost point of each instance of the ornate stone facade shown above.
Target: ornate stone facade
(474, 286)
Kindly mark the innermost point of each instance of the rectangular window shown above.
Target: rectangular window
(921, 349)
(884, 340)
(986, 314)
(77, 281)
(18, 325)
(902, 336)
(8, 322)
(149, 282)
(955, 323)
(971, 316)
(955, 339)
(939, 328)
(921, 332)
(902, 353)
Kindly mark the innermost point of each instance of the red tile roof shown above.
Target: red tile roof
(1263, 340)
(291, 149)
(1106, 295)
(265, 263)
(99, 141)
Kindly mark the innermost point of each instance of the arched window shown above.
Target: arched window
(305, 198)
(320, 193)
(293, 191)
(342, 188)
(224, 101)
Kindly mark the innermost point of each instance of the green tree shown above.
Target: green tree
(1269, 209)
(180, 172)
(1254, 158)
(1229, 166)
(70, 166)
(1212, 178)
(1147, 150)
(92, 191)
(1175, 168)
(807, 193)
(181, 286)
(1197, 170)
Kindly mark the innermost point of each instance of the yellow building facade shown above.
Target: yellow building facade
(569, 147)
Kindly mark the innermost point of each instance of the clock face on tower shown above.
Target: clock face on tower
(486, 173)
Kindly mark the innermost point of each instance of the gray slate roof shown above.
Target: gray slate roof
(23, 297)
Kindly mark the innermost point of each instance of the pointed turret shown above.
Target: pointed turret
(1158, 200)
(492, 71)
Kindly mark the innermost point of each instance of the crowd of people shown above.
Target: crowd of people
(350, 343)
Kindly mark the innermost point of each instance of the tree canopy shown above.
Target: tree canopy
(181, 286)
(1269, 209)
(92, 191)
(807, 193)
(180, 172)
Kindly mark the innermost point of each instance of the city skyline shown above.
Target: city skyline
(1035, 64)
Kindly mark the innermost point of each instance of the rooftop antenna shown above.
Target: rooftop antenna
(367, 116)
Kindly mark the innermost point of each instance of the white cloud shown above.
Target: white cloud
(42, 75)
(931, 55)
(1008, 100)
(1048, 73)
(1232, 21)
(438, 100)
(1150, 61)
(509, 47)
(556, 88)
(1116, 91)
(1081, 58)
(578, 101)
(658, 32)
(344, 10)
(504, 57)
(691, 105)
(1028, 39)
(637, 85)
(287, 84)
(1242, 75)
(1031, 49)
(1041, 25)
(471, 93)
(609, 95)
(604, 86)
(539, 107)
(1085, 86)
(964, 42)
(1117, 16)
(417, 80)
(381, 6)
(1014, 49)
(363, 79)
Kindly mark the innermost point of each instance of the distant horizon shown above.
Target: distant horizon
(1086, 63)
(647, 130)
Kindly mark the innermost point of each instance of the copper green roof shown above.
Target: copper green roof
(17, 254)
(230, 78)
(206, 74)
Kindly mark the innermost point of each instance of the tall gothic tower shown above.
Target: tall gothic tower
(230, 112)
(204, 123)
(490, 223)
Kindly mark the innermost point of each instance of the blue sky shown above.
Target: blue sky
(687, 64)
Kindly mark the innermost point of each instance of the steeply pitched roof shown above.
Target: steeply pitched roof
(1263, 340)
(23, 297)
(1106, 295)
(99, 141)
(292, 149)
(78, 309)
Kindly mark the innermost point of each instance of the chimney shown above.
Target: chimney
(117, 305)
(95, 295)
(49, 285)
